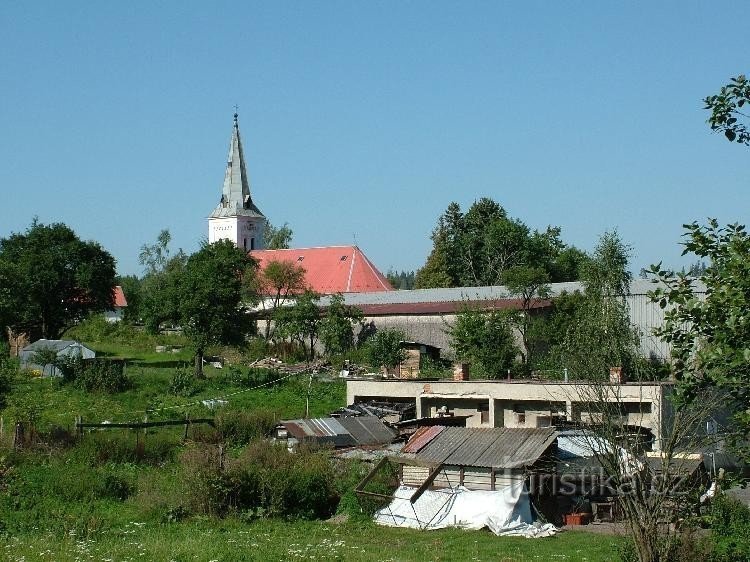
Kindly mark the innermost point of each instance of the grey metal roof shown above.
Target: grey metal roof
(458, 294)
(499, 447)
(367, 430)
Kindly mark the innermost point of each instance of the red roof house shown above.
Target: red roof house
(331, 269)
(119, 303)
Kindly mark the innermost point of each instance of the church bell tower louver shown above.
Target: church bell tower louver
(236, 217)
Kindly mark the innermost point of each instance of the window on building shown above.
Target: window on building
(244, 244)
(252, 243)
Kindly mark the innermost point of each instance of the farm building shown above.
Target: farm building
(426, 314)
(61, 348)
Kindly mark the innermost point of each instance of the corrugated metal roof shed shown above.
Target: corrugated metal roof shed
(500, 447)
(367, 430)
(321, 430)
(341, 432)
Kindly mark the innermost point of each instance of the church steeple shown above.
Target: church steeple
(236, 217)
(235, 193)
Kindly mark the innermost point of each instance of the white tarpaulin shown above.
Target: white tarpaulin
(504, 512)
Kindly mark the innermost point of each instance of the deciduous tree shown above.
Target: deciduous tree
(710, 334)
(275, 284)
(210, 306)
(384, 348)
(337, 327)
(477, 247)
(485, 339)
(50, 279)
(277, 238)
(601, 335)
(301, 322)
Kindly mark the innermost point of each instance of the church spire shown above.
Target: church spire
(235, 193)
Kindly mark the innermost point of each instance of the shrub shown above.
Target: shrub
(265, 479)
(384, 348)
(103, 447)
(730, 529)
(104, 375)
(183, 383)
(239, 427)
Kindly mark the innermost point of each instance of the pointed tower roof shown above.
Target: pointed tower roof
(235, 194)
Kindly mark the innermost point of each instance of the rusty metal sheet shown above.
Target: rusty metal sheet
(422, 437)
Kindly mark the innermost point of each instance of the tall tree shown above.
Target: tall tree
(50, 279)
(727, 115)
(477, 247)
(277, 238)
(601, 335)
(710, 336)
(210, 304)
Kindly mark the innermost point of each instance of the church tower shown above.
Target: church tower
(236, 217)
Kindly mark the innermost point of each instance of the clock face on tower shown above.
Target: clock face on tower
(249, 227)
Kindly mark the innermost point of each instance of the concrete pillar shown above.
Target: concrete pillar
(569, 410)
(492, 413)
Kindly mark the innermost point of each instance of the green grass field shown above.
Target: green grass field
(303, 540)
(98, 500)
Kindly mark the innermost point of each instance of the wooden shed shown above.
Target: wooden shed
(475, 458)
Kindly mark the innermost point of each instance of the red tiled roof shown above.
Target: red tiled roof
(331, 269)
(447, 307)
(119, 297)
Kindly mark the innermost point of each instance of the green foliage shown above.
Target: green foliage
(600, 335)
(183, 383)
(8, 371)
(726, 110)
(273, 285)
(277, 238)
(384, 348)
(300, 322)
(477, 247)
(484, 339)
(530, 285)
(50, 279)
(710, 337)
(730, 529)
(209, 306)
(239, 427)
(264, 480)
(100, 374)
(337, 327)
(400, 280)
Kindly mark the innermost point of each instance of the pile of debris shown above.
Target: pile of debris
(292, 368)
(389, 412)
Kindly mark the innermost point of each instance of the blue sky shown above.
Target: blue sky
(366, 119)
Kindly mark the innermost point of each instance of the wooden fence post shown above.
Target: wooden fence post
(187, 423)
